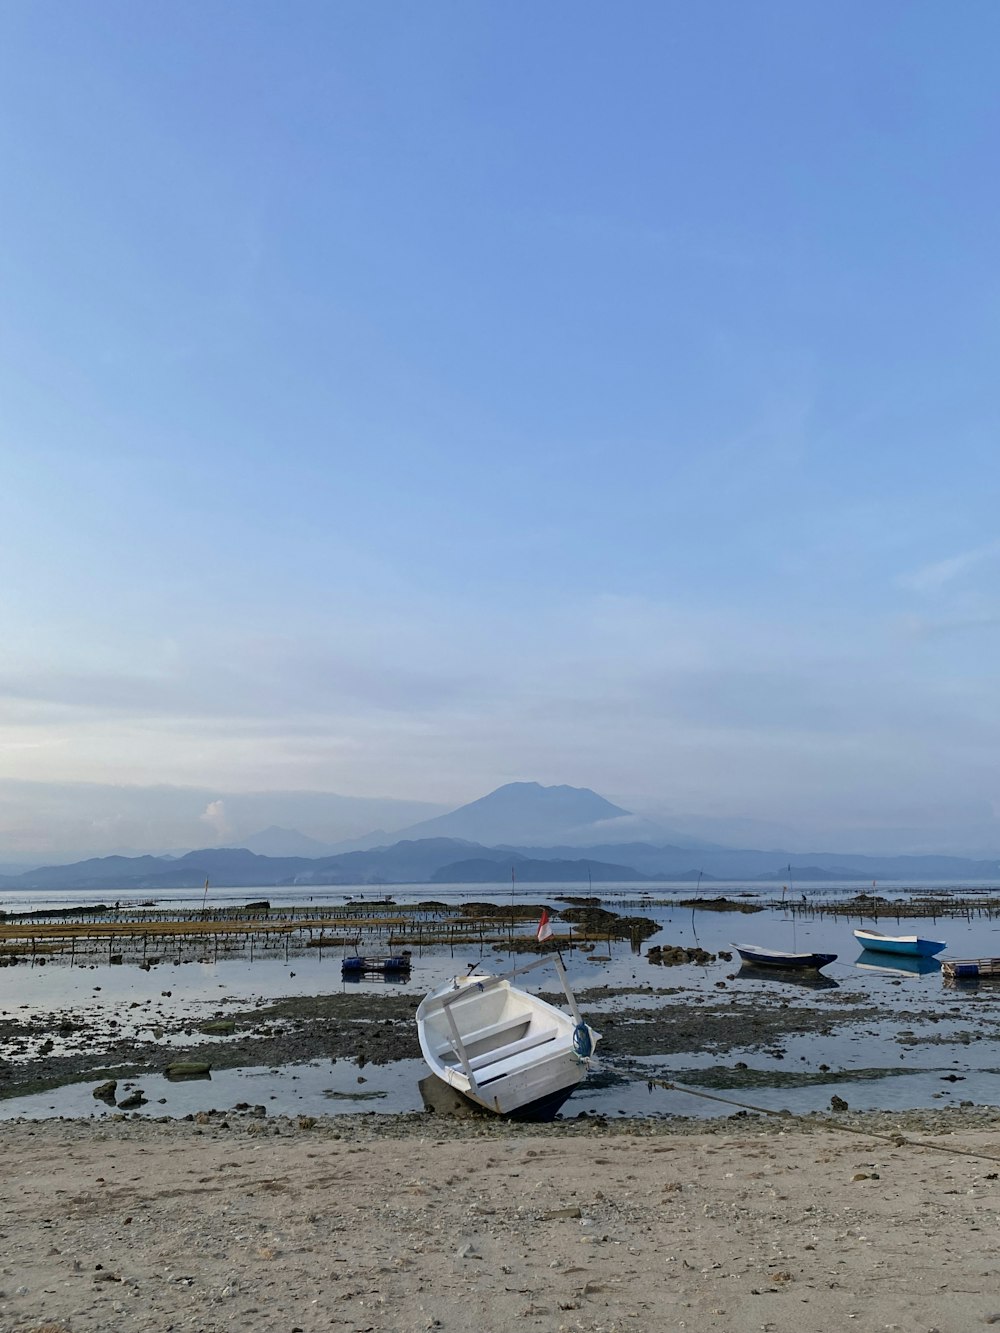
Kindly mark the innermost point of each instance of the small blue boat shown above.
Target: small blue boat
(358, 965)
(759, 957)
(915, 946)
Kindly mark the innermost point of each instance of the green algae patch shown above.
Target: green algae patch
(188, 1069)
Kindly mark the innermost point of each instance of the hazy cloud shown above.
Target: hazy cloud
(716, 712)
(41, 821)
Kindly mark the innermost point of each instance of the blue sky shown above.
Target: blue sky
(401, 400)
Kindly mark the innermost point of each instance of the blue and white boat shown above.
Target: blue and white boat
(914, 946)
(760, 957)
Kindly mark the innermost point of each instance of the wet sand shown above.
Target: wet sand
(406, 1224)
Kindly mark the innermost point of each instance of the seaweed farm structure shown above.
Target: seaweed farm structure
(377, 930)
(954, 902)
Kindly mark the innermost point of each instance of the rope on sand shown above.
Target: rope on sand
(897, 1139)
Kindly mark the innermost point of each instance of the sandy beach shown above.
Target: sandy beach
(401, 1225)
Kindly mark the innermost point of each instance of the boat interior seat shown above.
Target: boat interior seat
(526, 1043)
(508, 1061)
(484, 1034)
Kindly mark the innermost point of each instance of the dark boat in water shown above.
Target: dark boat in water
(761, 957)
(359, 965)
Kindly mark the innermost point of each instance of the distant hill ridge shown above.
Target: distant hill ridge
(443, 850)
(484, 870)
(448, 860)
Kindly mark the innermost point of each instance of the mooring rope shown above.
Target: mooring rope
(897, 1139)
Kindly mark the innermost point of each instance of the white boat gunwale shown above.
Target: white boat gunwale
(898, 939)
(776, 953)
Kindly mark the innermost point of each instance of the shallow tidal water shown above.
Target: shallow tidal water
(952, 1054)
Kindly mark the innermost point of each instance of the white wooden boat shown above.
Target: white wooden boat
(503, 1048)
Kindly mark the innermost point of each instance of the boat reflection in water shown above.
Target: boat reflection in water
(897, 964)
(809, 978)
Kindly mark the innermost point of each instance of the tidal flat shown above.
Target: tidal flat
(279, 1027)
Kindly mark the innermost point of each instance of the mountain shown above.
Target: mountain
(479, 870)
(664, 862)
(565, 834)
(9, 868)
(404, 862)
(524, 812)
(275, 841)
(411, 861)
(109, 875)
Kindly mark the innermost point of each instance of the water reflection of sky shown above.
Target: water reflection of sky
(198, 990)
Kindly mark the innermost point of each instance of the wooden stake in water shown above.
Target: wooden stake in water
(512, 905)
(204, 899)
(784, 887)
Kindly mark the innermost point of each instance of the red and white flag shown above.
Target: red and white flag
(544, 931)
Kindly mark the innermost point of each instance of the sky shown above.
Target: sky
(401, 400)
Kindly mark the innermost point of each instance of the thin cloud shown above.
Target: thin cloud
(923, 627)
(933, 577)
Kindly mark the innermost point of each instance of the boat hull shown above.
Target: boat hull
(759, 957)
(537, 1098)
(442, 1099)
(912, 946)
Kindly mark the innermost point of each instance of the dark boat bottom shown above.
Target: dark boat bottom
(442, 1099)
